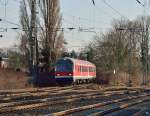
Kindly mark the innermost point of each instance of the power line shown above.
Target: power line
(139, 2)
(116, 11)
(93, 2)
(9, 22)
(4, 2)
(104, 12)
(69, 22)
(86, 19)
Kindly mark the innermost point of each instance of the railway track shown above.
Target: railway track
(52, 98)
(36, 103)
(104, 108)
(46, 89)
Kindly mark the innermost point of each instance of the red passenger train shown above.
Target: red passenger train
(70, 71)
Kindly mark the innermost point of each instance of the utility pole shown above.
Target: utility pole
(145, 42)
(129, 59)
(32, 36)
(145, 48)
(131, 31)
(1, 35)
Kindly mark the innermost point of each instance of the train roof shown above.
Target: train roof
(77, 61)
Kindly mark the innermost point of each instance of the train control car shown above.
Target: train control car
(74, 71)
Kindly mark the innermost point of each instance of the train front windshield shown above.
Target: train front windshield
(64, 66)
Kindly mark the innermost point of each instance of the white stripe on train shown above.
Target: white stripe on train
(76, 77)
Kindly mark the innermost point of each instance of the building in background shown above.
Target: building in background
(4, 60)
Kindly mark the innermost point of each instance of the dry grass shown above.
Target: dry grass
(122, 79)
(10, 79)
(119, 79)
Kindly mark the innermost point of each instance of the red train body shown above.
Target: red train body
(69, 70)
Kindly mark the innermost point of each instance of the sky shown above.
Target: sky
(80, 14)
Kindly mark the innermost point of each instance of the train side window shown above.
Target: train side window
(76, 67)
(80, 68)
(83, 69)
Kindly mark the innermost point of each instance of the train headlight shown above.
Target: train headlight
(70, 74)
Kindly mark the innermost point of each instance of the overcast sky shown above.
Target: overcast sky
(76, 13)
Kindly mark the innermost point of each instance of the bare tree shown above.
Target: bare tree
(29, 34)
(24, 40)
(114, 49)
(53, 34)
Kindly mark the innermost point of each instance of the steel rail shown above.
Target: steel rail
(40, 92)
(47, 94)
(88, 107)
(32, 93)
(68, 87)
(42, 89)
(140, 113)
(7, 107)
(121, 107)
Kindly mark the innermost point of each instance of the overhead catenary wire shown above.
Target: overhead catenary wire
(104, 12)
(9, 22)
(85, 19)
(139, 2)
(76, 17)
(93, 2)
(115, 10)
(3, 2)
(6, 2)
